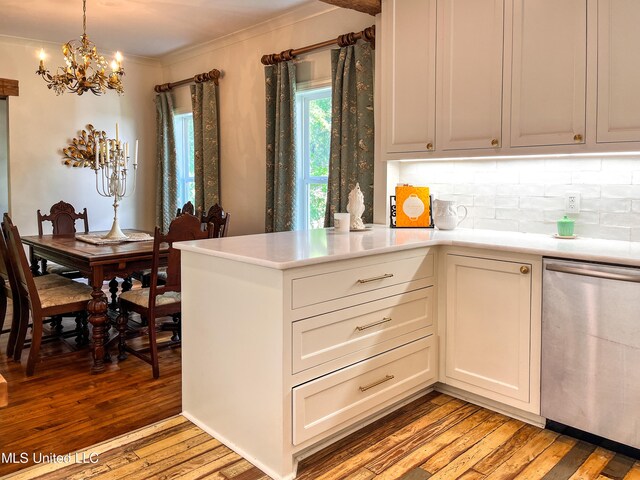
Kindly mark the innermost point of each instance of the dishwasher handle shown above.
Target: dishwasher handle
(593, 271)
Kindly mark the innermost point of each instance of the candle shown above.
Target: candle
(117, 137)
(126, 151)
(135, 159)
(97, 150)
(42, 56)
(107, 153)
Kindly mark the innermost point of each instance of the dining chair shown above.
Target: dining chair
(63, 217)
(67, 298)
(9, 287)
(220, 220)
(158, 301)
(186, 208)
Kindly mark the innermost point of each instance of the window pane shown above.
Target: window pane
(319, 136)
(317, 204)
(190, 147)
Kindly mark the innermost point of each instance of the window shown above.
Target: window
(313, 137)
(183, 124)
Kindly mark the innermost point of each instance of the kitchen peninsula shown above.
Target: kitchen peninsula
(294, 339)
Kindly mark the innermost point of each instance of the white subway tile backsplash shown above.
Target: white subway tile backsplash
(621, 191)
(528, 195)
(613, 205)
(570, 165)
(507, 202)
(520, 214)
(542, 203)
(546, 178)
(620, 219)
(602, 177)
(585, 191)
(493, 224)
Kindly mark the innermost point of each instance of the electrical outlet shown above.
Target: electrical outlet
(572, 202)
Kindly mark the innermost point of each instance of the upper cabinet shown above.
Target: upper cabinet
(618, 71)
(411, 81)
(469, 73)
(473, 78)
(548, 76)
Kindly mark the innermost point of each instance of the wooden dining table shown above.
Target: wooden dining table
(97, 263)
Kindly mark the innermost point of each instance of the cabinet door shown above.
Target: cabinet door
(470, 49)
(409, 59)
(618, 71)
(549, 72)
(488, 325)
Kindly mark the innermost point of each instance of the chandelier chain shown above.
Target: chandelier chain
(84, 17)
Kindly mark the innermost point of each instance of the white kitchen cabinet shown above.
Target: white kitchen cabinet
(469, 74)
(410, 79)
(492, 328)
(618, 71)
(548, 77)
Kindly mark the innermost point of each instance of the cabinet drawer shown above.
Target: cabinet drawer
(343, 283)
(340, 399)
(376, 326)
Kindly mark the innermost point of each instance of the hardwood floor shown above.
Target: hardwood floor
(63, 408)
(434, 437)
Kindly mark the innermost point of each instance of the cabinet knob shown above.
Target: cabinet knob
(577, 137)
(429, 146)
(524, 269)
(495, 142)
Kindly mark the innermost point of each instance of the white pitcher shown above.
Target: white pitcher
(445, 214)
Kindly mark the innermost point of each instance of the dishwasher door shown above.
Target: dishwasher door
(591, 348)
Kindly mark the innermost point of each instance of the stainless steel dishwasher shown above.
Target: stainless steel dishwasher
(591, 348)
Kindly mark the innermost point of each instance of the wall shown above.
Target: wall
(242, 101)
(527, 195)
(41, 124)
(4, 161)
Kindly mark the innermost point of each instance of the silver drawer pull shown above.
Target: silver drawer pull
(375, 384)
(369, 325)
(373, 279)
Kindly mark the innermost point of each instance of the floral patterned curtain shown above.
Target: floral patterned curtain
(167, 164)
(204, 99)
(280, 81)
(352, 129)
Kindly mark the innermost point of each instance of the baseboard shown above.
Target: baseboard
(512, 412)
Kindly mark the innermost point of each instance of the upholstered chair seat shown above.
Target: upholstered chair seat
(65, 294)
(140, 297)
(51, 281)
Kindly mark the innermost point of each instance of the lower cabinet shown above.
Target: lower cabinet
(492, 323)
(334, 400)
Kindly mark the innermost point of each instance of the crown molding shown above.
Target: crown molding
(38, 44)
(300, 14)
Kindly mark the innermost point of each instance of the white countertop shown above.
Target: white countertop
(286, 250)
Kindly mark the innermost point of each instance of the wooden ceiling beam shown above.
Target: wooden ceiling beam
(372, 7)
(8, 87)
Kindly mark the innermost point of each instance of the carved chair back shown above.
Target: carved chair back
(220, 220)
(186, 208)
(63, 218)
(8, 285)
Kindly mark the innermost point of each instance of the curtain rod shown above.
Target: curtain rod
(200, 78)
(368, 34)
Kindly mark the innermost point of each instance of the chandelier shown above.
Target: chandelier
(85, 69)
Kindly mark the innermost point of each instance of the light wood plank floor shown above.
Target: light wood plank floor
(434, 437)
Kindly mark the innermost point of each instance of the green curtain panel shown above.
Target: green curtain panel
(280, 81)
(352, 129)
(167, 164)
(204, 99)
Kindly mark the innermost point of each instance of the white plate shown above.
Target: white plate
(565, 237)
